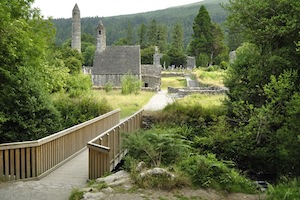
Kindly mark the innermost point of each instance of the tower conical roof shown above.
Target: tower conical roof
(100, 25)
(76, 8)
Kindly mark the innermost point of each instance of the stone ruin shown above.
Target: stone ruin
(111, 63)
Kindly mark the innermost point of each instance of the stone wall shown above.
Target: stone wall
(173, 74)
(197, 90)
(151, 76)
(114, 79)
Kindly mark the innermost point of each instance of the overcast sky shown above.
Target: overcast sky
(94, 8)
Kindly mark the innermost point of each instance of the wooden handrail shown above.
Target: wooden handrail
(99, 148)
(106, 150)
(33, 159)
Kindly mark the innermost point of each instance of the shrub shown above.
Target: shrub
(208, 171)
(157, 146)
(130, 84)
(108, 87)
(78, 84)
(287, 190)
(81, 109)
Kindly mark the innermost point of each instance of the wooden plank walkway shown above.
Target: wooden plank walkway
(57, 185)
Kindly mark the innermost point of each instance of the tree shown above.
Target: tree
(26, 112)
(202, 39)
(264, 83)
(162, 38)
(271, 26)
(129, 34)
(152, 33)
(176, 51)
(142, 34)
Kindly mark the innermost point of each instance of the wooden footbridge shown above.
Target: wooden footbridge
(101, 135)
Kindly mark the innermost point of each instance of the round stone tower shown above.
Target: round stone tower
(76, 29)
(101, 38)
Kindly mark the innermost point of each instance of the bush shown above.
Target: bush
(130, 84)
(287, 190)
(157, 146)
(191, 114)
(78, 84)
(108, 87)
(208, 171)
(81, 109)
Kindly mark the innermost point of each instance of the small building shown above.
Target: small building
(111, 63)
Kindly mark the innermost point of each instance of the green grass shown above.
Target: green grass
(177, 82)
(214, 78)
(129, 104)
(205, 100)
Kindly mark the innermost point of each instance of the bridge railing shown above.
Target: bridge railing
(106, 150)
(35, 159)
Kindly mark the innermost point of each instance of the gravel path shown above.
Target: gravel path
(158, 101)
(74, 174)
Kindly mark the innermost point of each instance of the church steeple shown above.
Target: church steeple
(101, 37)
(76, 28)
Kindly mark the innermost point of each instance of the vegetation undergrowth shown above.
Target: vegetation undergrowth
(212, 76)
(177, 82)
(285, 190)
(129, 104)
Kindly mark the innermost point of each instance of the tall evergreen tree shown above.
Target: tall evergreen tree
(129, 34)
(202, 39)
(142, 34)
(152, 33)
(162, 38)
(176, 51)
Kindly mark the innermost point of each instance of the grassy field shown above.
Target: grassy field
(205, 100)
(172, 82)
(213, 78)
(129, 104)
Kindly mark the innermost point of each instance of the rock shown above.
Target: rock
(140, 166)
(108, 190)
(115, 179)
(157, 172)
(92, 196)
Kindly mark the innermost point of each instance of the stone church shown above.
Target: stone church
(111, 63)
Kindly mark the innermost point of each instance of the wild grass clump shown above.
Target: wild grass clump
(209, 172)
(76, 194)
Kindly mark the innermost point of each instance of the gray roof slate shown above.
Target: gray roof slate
(118, 60)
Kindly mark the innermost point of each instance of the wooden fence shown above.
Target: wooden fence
(106, 151)
(35, 159)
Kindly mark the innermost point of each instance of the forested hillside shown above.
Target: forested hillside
(118, 26)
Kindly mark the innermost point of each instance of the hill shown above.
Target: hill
(117, 26)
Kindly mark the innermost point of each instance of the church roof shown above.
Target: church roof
(118, 60)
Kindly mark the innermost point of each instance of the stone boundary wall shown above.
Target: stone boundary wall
(200, 90)
(173, 74)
